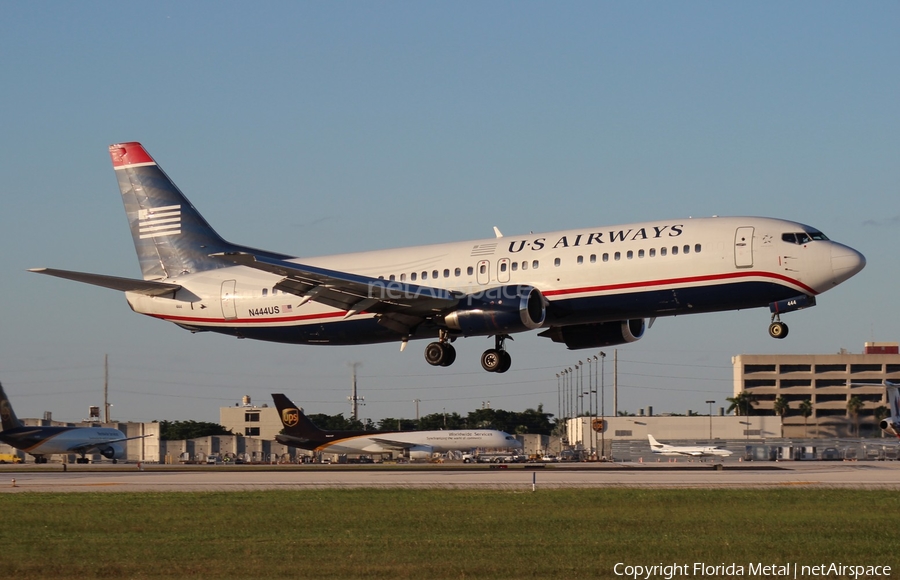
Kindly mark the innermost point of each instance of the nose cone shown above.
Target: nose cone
(845, 262)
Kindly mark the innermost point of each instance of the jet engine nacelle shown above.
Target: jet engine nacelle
(113, 451)
(891, 425)
(421, 452)
(503, 309)
(597, 334)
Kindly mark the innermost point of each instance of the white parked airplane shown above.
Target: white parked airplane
(43, 441)
(586, 288)
(300, 432)
(891, 424)
(663, 449)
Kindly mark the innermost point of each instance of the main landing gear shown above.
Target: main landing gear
(777, 329)
(440, 353)
(497, 360)
(493, 360)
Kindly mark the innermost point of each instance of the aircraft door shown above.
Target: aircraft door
(503, 270)
(743, 247)
(229, 310)
(483, 272)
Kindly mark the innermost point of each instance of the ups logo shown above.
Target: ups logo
(290, 417)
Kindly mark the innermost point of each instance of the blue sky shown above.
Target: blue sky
(319, 128)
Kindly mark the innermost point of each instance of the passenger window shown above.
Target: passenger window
(274, 291)
(696, 248)
(470, 270)
(606, 257)
(617, 256)
(687, 249)
(514, 266)
(424, 275)
(580, 260)
(482, 269)
(535, 264)
(674, 250)
(652, 252)
(392, 278)
(434, 274)
(446, 273)
(403, 277)
(503, 266)
(457, 272)
(265, 292)
(412, 276)
(524, 265)
(640, 253)
(630, 254)
(556, 262)
(662, 251)
(593, 258)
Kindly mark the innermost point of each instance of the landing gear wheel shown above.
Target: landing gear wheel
(491, 360)
(440, 354)
(449, 355)
(505, 362)
(778, 330)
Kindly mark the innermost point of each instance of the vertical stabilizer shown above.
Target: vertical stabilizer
(295, 422)
(8, 417)
(170, 235)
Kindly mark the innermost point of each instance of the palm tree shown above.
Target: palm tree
(780, 407)
(742, 403)
(806, 409)
(853, 407)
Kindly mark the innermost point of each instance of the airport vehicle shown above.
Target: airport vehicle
(43, 441)
(696, 451)
(585, 288)
(300, 432)
(891, 424)
(10, 458)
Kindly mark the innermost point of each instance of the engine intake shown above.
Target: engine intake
(113, 451)
(502, 309)
(421, 453)
(597, 334)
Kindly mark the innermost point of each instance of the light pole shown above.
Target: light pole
(418, 423)
(710, 403)
(602, 408)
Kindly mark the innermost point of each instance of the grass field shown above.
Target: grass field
(433, 534)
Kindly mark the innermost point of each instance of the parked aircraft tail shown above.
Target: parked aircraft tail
(8, 417)
(296, 424)
(654, 444)
(891, 424)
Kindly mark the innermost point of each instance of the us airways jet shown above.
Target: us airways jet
(300, 432)
(43, 441)
(692, 451)
(585, 288)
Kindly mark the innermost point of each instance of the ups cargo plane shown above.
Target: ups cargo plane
(585, 288)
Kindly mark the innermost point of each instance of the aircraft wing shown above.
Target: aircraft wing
(399, 306)
(96, 445)
(390, 443)
(148, 287)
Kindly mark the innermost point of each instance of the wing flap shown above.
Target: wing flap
(350, 292)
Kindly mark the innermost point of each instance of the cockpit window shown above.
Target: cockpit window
(803, 237)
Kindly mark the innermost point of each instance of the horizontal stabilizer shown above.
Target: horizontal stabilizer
(148, 287)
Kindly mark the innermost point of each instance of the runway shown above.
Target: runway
(857, 475)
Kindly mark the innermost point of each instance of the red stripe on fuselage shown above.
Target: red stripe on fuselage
(561, 292)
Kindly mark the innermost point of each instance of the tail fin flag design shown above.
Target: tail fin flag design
(170, 235)
(8, 418)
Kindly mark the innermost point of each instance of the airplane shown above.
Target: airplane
(300, 432)
(891, 424)
(43, 441)
(663, 449)
(585, 288)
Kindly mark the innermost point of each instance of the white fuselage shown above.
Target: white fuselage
(587, 275)
(40, 441)
(436, 441)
